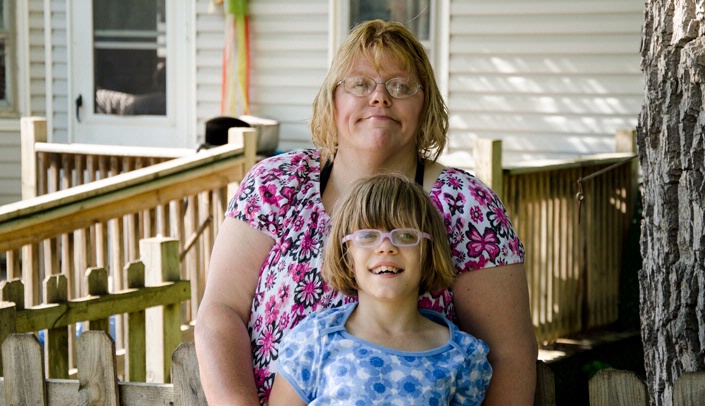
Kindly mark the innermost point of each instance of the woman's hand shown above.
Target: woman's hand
(493, 305)
(222, 342)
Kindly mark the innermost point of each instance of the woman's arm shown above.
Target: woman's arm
(222, 342)
(283, 394)
(493, 305)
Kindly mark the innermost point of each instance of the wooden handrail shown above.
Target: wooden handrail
(113, 150)
(64, 211)
(562, 164)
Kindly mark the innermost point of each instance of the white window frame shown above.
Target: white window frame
(170, 130)
(340, 20)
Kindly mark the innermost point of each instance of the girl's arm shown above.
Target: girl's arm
(493, 305)
(283, 394)
(222, 340)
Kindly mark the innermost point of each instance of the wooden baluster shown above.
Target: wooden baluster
(192, 260)
(135, 359)
(131, 220)
(101, 229)
(205, 245)
(13, 263)
(56, 343)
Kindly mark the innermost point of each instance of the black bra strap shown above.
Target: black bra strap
(328, 168)
(325, 175)
(419, 172)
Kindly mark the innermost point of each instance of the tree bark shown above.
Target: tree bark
(671, 153)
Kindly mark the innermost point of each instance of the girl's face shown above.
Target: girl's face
(387, 272)
(378, 123)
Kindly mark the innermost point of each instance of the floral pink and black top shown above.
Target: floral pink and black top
(281, 197)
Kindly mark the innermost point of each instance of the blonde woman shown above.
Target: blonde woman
(379, 110)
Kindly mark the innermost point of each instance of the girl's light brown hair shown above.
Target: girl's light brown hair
(386, 202)
(373, 40)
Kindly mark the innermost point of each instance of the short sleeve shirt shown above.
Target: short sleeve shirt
(326, 365)
(280, 196)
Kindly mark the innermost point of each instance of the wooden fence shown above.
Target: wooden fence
(573, 247)
(97, 382)
(152, 298)
(99, 223)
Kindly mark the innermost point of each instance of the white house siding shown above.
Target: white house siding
(209, 28)
(289, 51)
(58, 99)
(10, 167)
(552, 79)
(37, 102)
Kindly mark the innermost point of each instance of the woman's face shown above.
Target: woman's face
(378, 123)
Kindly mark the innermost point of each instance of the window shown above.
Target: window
(6, 56)
(129, 57)
(415, 14)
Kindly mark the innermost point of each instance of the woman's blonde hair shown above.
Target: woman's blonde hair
(373, 40)
(386, 202)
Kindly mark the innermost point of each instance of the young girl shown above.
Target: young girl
(388, 245)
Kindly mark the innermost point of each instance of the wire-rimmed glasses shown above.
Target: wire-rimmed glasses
(399, 88)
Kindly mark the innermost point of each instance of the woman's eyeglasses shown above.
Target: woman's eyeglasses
(400, 237)
(399, 88)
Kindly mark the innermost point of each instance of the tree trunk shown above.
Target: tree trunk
(671, 153)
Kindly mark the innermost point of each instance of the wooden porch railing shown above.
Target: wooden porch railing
(98, 223)
(573, 263)
(111, 197)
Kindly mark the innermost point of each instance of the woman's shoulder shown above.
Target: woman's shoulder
(301, 160)
(286, 173)
(456, 179)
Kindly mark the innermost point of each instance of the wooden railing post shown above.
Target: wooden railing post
(246, 138)
(32, 130)
(185, 374)
(488, 163)
(613, 387)
(135, 358)
(8, 316)
(97, 281)
(545, 394)
(96, 370)
(24, 370)
(56, 342)
(11, 301)
(689, 389)
(161, 262)
(625, 141)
